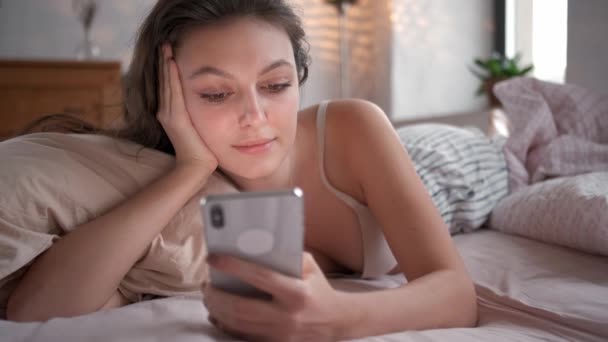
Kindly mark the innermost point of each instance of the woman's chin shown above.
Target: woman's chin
(252, 172)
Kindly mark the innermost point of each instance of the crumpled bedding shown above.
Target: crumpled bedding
(555, 130)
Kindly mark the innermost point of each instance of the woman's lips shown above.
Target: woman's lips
(255, 146)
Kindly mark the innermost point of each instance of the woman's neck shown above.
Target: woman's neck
(282, 178)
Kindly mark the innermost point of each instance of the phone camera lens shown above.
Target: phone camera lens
(217, 217)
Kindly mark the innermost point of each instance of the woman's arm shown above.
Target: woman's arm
(81, 272)
(440, 292)
(309, 309)
(440, 299)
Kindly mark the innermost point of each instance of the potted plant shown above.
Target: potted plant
(495, 69)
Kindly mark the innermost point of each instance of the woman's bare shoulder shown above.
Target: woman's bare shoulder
(348, 123)
(353, 120)
(345, 115)
(347, 119)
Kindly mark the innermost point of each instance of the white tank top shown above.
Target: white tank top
(378, 259)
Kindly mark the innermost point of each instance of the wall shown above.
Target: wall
(434, 43)
(587, 48)
(49, 28)
(369, 51)
(408, 56)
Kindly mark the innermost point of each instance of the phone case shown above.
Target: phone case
(264, 227)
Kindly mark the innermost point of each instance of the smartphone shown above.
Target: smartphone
(263, 227)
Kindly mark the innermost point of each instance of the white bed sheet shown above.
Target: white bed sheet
(527, 291)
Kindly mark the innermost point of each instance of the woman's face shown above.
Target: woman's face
(240, 86)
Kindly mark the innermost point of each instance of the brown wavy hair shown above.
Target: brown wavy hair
(168, 21)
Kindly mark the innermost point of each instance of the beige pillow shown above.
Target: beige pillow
(52, 182)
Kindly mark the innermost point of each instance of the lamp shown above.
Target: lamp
(341, 7)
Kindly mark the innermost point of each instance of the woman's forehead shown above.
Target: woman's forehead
(242, 40)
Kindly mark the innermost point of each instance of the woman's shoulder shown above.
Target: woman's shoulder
(348, 121)
(345, 117)
(348, 126)
(354, 116)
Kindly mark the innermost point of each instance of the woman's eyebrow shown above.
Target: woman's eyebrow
(274, 65)
(205, 69)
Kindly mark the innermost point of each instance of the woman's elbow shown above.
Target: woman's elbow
(24, 306)
(466, 297)
(18, 311)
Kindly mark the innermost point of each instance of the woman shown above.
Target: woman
(216, 83)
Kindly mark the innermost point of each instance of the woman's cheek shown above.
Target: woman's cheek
(207, 130)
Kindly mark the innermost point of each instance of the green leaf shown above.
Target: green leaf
(494, 67)
(481, 63)
(526, 70)
(497, 67)
(478, 74)
(517, 58)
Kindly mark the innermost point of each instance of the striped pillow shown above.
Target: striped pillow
(463, 170)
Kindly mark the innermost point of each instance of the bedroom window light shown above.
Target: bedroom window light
(539, 30)
(510, 28)
(549, 39)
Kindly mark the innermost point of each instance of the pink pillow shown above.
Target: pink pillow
(567, 211)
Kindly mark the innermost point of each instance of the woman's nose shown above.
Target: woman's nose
(253, 111)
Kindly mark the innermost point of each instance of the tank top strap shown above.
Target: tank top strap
(321, 114)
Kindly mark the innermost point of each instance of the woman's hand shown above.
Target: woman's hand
(306, 309)
(190, 149)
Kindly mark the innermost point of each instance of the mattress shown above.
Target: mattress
(527, 291)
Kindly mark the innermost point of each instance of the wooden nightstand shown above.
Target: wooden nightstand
(31, 89)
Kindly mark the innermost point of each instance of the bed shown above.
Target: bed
(527, 291)
(539, 264)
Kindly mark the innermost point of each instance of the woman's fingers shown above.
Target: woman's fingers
(178, 107)
(310, 266)
(281, 287)
(241, 308)
(164, 98)
(190, 149)
(171, 101)
(240, 315)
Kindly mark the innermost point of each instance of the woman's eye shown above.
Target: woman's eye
(277, 87)
(215, 97)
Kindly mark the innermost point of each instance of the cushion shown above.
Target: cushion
(463, 170)
(567, 211)
(52, 182)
